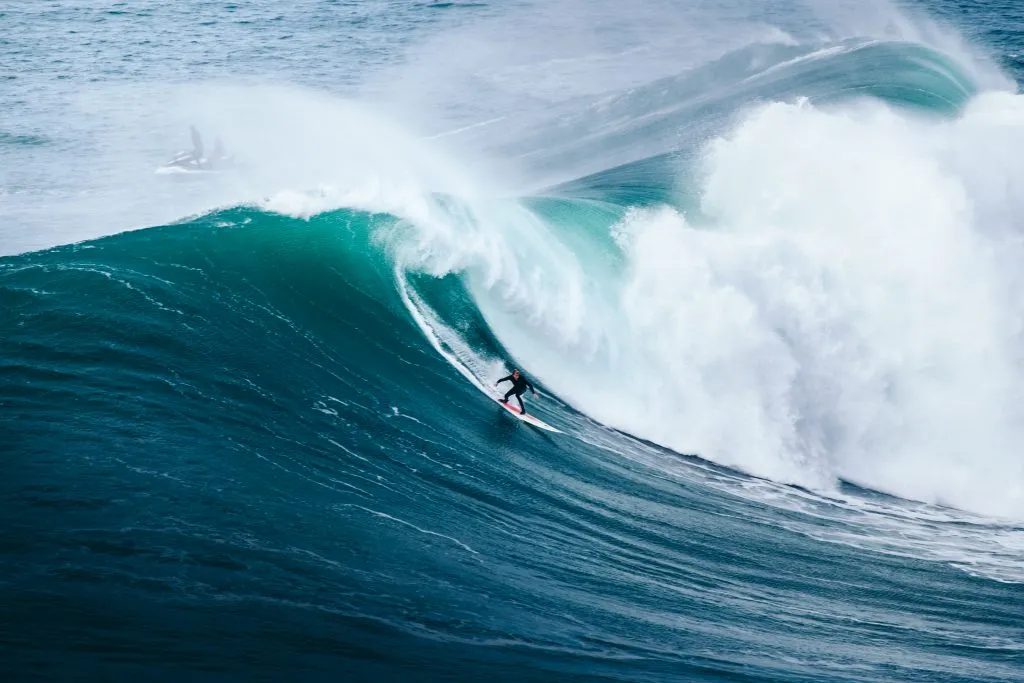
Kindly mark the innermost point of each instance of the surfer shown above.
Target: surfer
(519, 385)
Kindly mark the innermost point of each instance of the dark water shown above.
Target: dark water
(252, 444)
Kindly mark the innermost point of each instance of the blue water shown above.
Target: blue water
(760, 259)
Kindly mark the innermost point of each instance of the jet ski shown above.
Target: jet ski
(188, 162)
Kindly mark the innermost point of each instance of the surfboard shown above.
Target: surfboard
(528, 419)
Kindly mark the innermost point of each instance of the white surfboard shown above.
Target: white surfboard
(528, 419)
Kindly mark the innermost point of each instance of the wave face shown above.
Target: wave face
(772, 302)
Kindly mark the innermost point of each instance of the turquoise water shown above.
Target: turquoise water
(761, 260)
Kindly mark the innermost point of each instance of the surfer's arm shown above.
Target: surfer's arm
(503, 379)
(532, 390)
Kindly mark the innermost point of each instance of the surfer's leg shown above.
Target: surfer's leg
(519, 397)
(507, 394)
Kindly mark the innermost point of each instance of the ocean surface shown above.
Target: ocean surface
(764, 261)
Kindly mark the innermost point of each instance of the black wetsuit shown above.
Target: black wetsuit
(518, 387)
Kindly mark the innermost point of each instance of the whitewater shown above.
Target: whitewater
(763, 262)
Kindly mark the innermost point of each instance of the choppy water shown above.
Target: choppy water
(762, 261)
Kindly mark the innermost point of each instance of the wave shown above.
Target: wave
(802, 288)
(251, 334)
(285, 415)
(829, 297)
(807, 294)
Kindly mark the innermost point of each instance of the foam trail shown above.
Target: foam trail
(447, 342)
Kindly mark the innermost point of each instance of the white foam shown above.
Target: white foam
(850, 305)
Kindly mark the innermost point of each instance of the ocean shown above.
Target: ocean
(763, 261)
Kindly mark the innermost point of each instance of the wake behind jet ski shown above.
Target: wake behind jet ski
(195, 161)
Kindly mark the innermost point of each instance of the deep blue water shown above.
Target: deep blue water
(760, 259)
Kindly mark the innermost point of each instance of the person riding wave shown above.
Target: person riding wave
(519, 385)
